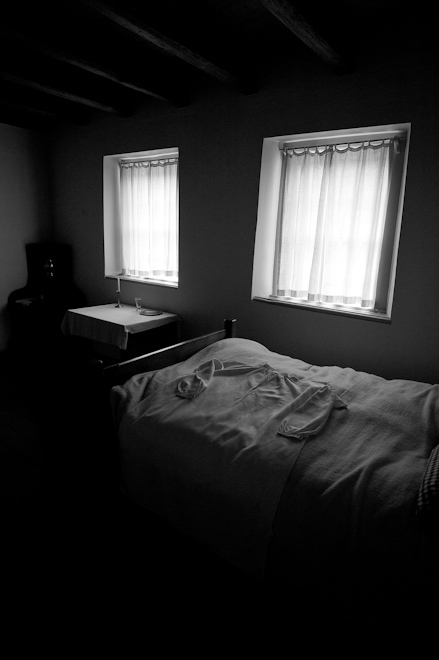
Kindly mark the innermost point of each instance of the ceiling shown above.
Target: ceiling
(68, 61)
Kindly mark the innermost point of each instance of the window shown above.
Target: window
(329, 216)
(141, 216)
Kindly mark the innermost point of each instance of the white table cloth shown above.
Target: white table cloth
(109, 324)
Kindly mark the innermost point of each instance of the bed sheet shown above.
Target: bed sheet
(344, 521)
(210, 450)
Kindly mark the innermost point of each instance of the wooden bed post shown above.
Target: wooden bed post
(230, 328)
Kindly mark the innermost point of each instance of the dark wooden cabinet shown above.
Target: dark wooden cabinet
(37, 309)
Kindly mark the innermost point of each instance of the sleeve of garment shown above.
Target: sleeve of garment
(192, 385)
(312, 412)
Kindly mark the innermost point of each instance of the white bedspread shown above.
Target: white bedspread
(210, 451)
(341, 505)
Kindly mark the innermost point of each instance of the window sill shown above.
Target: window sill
(144, 280)
(367, 314)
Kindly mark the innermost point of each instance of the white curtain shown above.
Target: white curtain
(149, 218)
(331, 222)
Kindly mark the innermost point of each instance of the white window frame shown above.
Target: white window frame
(268, 209)
(111, 195)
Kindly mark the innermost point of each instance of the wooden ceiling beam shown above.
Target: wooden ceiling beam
(24, 107)
(13, 117)
(48, 111)
(296, 23)
(67, 96)
(80, 63)
(167, 44)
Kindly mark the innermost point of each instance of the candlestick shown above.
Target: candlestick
(118, 292)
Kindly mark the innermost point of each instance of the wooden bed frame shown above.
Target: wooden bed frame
(140, 525)
(116, 374)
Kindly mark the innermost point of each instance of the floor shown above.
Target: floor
(59, 518)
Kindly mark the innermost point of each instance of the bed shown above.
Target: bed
(320, 478)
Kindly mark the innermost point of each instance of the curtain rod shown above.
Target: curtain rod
(351, 139)
(145, 159)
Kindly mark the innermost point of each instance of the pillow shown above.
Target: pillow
(427, 508)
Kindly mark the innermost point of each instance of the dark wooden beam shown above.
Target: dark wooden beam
(167, 44)
(80, 63)
(294, 21)
(49, 110)
(67, 96)
(14, 117)
(30, 109)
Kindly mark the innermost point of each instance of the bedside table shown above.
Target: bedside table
(121, 333)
